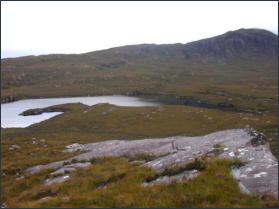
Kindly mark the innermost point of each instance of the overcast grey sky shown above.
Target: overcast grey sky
(74, 27)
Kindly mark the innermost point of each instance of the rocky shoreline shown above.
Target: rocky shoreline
(190, 101)
(8, 99)
(193, 101)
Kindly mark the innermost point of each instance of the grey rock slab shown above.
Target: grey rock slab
(77, 165)
(35, 169)
(191, 147)
(44, 199)
(63, 170)
(21, 177)
(260, 174)
(235, 143)
(58, 179)
(70, 168)
(260, 178)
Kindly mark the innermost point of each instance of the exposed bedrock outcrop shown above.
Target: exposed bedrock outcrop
(259, 175)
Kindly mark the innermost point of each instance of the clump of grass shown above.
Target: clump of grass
(270, 201)
(145, 157)
(197, 164)
(142, 157)
(66, 172)
(74, 161)
(11, 171)
(66, 163)
(152, 177)
(237, 163)
(83, 161)
(115, 177)
(93, 160)
(57, 175)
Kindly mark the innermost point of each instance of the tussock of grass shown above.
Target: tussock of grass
(237, 163)
(146, 157)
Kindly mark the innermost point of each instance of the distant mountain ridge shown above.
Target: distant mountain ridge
(242, 43)
(164, 68)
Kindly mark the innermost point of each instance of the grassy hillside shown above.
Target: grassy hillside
(239, 68)
(86, 124)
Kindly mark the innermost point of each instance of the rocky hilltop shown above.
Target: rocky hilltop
(240, 44)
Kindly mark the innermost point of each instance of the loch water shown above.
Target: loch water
(10, 117)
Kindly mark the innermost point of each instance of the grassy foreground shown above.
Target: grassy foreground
(114, 182)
